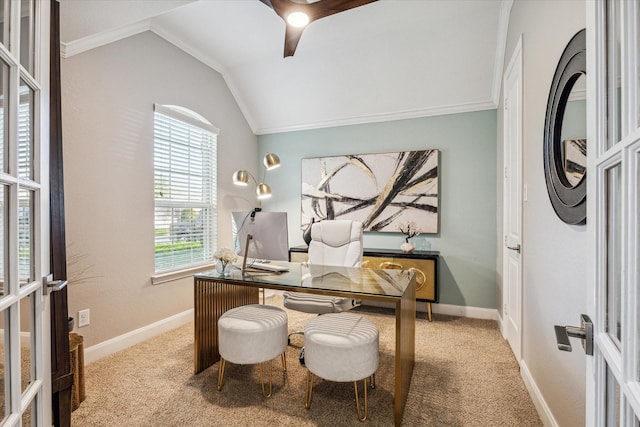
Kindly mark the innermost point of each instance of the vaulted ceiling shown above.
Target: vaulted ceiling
(387, 60)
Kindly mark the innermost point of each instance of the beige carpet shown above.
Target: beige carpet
(465, 375)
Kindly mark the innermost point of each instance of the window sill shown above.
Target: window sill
(170, 276)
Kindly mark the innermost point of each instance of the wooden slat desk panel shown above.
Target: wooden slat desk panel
(425, 261)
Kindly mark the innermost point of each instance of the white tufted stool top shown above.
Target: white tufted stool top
(341, 347)
(252, 334)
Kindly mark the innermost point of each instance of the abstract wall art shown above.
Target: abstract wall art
(383, 190)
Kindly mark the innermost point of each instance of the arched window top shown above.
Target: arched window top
(186, 115)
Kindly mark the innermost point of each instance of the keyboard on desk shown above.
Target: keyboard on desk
(266, 266)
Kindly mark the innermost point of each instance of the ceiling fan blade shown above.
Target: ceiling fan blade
(326, 8)
(291, 38)
(315, 11)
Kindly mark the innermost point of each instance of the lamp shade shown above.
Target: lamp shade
(271, 161)
(263, 191)
(241, 177)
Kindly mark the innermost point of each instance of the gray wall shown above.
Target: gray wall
(108, 97)
(554, 253)
(467, 144)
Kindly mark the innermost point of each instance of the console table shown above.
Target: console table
(424, 261)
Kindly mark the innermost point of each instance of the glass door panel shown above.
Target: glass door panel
(26, 350)
(4, 236)
(5, 371)
(25, 131)
(26, 269)
(614, 81)
(4, 113)
(614, 253)
(613, 400)
(27, 34)
(4, 21)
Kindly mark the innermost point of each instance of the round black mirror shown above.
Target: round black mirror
(565, 142)
(574, 134)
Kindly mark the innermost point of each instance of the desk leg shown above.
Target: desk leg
(211, 299)
(405, 349)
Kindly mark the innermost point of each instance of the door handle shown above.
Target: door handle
(50, 285)
(514, 248)
(584, 332)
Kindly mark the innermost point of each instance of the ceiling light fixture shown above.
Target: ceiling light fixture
(298, 19)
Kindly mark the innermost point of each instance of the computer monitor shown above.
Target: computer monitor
(268, 231)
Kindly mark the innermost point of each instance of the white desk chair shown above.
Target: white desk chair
(333, 242)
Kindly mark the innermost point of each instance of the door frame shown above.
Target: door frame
(513, 71)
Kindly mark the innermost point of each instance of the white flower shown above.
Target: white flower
(225, 256)
(410, 229)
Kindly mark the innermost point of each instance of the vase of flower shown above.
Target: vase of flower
(225, 258)
(409, 229)
(407, 246)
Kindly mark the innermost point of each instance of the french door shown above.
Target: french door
(24, 220)
(613, 291)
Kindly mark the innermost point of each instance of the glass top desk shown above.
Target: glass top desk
(214, 294)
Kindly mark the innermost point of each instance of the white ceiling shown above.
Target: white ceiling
(387, 60)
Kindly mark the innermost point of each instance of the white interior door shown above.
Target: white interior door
(512, 202)
(613, 213)
(24, 194)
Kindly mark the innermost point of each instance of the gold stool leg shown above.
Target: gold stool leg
(429, 311)
(309, 391)
(262, 382)
(221, 373)
(373, 380)
(362, 417)
(284, 361)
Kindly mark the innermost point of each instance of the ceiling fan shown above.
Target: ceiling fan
(297, 14)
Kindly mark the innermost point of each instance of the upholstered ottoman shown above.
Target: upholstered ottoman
(252, 334)
(341, 347)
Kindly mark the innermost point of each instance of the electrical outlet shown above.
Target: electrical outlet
(83, 318)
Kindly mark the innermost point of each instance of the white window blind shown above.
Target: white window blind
(185, 189)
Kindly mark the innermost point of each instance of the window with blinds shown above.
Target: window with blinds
(185, 188)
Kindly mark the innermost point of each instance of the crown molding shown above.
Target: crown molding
(175, 40)
(67, 50)
(501, 46)
(386, 117)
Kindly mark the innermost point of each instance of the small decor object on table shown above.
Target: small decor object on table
(409, 229)
(225, 257)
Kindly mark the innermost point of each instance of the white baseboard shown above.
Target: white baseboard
(105, 348)
(447, 309)
(536, 396)
(465, 311)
